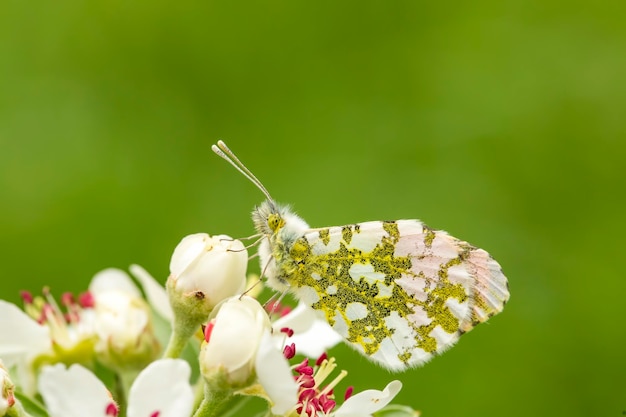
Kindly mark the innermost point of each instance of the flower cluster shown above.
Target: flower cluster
(120, 349)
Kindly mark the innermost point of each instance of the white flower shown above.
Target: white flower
(21, 337)
(161, 389)
(312, 335)
(366, 403)
(232, 340)
(122, 321)
(239, 348)
(214, 266)
(7, 399)
(45, 334)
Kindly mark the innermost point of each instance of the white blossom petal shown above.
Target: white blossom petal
(120, 319)
(113, 279)
(312, 335)
(186, 252)
(20, 336)
(275, 376)
(238, 328)
(73, 392)
(366, 403)
(163, 386)
(155, 292)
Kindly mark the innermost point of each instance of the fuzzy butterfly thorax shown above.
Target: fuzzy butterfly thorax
(281, 228)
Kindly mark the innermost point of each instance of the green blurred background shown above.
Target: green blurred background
(501, 122)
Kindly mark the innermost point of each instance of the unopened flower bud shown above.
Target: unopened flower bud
(232, 340)
(204, 271)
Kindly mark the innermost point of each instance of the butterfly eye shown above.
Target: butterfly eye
(275, 222)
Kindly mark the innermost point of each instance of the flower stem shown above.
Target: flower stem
(235, 408)
(213, 402)
(178, 341)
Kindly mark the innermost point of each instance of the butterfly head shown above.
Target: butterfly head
(271, 218)
(268, 218)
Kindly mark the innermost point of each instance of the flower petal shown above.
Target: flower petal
(312, 335)
(73, 392)
(189, 248)
(238, 327)
(275, 376)
(113, 279)
(155, 292)
(20, 336)
(367, 402)
(162, 387)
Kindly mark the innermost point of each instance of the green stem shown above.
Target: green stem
(126, 379)
(198, 389)
(178, 341)
(190, 312)
(234, 410)
(213, 402)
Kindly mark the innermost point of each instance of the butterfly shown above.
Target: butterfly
(398, 292)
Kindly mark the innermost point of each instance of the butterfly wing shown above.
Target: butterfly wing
(399, 292)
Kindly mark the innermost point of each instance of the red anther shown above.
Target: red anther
(208, 330)
(305, 362)
(10, 399)
(308, 408)
(299, 411)
(27, 297)
(306, 381)
(348, 393)
(323, 398)
(155, 414)
(287, 331)
(86, 300)
(289, 351)
(327, 405)
(315, 403)
(307, 394)
(304, 368)
(321, 359)
(67, 299)
(111, 410)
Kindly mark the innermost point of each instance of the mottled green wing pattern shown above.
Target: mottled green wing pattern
(399, 292)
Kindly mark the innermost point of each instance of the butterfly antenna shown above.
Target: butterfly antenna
(222, 150)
